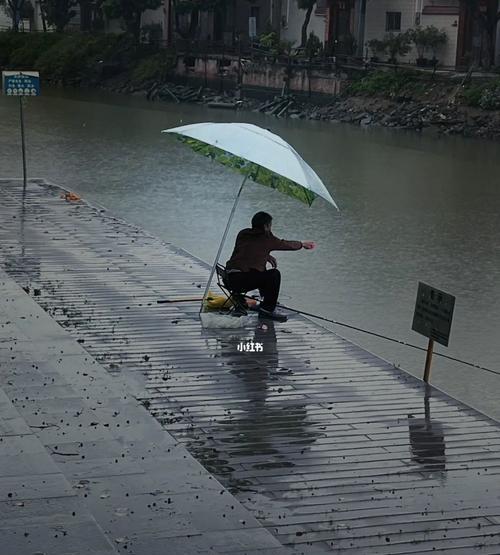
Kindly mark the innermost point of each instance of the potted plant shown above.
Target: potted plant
(314, 47)
(436, 38)
(397, 45)
(377, 47)
(420, 38)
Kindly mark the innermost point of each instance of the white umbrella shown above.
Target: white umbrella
(260, 155)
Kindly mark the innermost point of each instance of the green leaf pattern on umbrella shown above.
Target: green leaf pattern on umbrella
(256, 173)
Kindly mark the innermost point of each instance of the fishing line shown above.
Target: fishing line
(387, 338)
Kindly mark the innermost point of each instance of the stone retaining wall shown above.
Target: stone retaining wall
(263, 75)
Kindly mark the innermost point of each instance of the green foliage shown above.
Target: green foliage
(153, 68)
(384, 83)
(9, 42)
(397, 45)
(72, 58)
(436, 38)
(419, 37)
(472, 95)
(270, 42)
(28, 51)
(377, 47)
(429, 37)
(314, 47)
(393, 44)
(58, 12)
(485, 96)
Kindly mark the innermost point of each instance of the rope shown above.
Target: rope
(387, 338)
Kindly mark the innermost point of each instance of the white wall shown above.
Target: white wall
(447, 54)
(5, 20)
(375, 26)
(375, 16)
(294, 18)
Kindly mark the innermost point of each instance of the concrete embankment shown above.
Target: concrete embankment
(437, 114)
(326, 445)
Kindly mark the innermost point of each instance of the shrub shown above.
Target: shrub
(383, 83)
(153, 68)
(472, 95)
(77, 57)
(435, 39)
(485, 95)
(314, 47)
(398, 45)
(69, 59)
(420, 39)
(9, 41)
(377, 47)
(26, 54)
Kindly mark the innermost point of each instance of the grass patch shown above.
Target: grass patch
(386, 83)
(482, 95)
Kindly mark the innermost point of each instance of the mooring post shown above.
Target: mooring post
(428, 360)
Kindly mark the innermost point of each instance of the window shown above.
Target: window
(392, 21)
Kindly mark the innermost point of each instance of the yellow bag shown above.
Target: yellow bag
(217, 302)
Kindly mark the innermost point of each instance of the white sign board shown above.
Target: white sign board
(21, 83)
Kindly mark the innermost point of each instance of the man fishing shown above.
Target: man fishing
(246, 269)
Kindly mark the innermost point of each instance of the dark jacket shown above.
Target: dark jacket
(252, 248)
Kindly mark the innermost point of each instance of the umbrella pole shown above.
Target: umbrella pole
(212, 271)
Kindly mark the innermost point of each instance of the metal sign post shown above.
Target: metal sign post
(432, 318)
(428, 360)
(25, 83)
(23, 144)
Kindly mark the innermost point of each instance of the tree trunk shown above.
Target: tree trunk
(85, 16)
(193, 22)
(305, 25)
(133, 25)
(16, 8)
(43, 18)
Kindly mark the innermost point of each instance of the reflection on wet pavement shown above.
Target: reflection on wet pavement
(329, 446)
(427, 441)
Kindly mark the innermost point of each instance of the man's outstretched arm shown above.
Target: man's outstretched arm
(284, 245)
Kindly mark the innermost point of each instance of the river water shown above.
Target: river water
(413, 208)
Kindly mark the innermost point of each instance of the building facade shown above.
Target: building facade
(472, 33)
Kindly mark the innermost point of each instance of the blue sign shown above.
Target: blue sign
(17, 83)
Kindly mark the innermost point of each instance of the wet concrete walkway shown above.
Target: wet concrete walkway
(84, 468)
(329, 447)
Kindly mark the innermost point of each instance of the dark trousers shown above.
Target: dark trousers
(268, 283)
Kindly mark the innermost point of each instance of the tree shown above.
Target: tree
(308, 6)
(58, 12)
(14, 9)
(131, 12)
(397, 45)
(487, 15)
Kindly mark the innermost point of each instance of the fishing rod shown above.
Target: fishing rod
(355, 328)
(387, 338)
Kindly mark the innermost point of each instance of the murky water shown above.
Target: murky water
(413, 208)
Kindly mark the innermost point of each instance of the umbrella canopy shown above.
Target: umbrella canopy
(258, 154)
